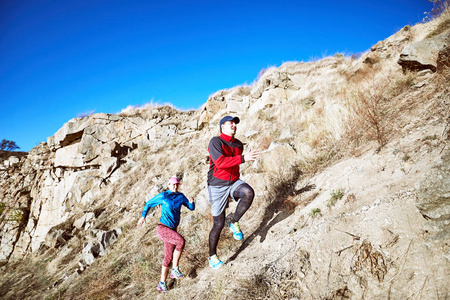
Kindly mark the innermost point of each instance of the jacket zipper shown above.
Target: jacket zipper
(232, 154)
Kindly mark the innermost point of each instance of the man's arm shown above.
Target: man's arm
(251, 155)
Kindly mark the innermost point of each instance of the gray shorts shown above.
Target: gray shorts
(218, 196)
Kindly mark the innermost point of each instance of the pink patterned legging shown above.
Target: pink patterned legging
(172, 240)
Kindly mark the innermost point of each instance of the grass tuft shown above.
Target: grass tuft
(335, 195)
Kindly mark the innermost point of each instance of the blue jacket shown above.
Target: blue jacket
(170, 207)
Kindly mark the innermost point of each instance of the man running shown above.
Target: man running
(226, 154)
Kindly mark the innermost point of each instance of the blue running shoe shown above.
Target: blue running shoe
(215, 262)
(162, 286)
(237, 233)
(176, 273)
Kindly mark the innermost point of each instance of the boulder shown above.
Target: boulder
(423, 54)
(57, 237)
(99, 246)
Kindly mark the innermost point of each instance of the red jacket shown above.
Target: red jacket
(225, 154)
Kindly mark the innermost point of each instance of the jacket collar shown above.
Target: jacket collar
(227, 137)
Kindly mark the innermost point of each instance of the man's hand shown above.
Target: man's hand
(141, 222)
(191, 199)
(251, 155)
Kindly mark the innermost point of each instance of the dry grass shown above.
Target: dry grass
(443, 26)
(441, 11)
(134, 258)
(152, 110)
(25, 279)
(375, 100)
(370, 105)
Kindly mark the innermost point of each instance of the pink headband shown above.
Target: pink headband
(174, 180)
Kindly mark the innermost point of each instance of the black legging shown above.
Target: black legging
(245, 194)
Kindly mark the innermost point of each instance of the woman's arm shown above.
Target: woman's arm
(149, 204)
(189, 203)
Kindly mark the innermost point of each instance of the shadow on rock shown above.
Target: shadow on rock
(281, 199)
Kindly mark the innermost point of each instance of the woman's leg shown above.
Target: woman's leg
(172, 241)
(168, 253)
(245, 194)
(214, 234)
(164, 273)
(176, 258)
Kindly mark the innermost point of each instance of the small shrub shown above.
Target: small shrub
(315, 212)
(335, 196)
(440, 10)
(443, 26)
(17, 216)
(427, 138)
(350, 198)
(440, 7)
(356, 56)
(406, 157)
(370, 107)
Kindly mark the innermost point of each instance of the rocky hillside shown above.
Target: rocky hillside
(352, 189)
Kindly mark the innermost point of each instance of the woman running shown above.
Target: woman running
(171, 202)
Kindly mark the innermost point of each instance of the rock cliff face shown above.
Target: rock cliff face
(63, 176)
(336, 220)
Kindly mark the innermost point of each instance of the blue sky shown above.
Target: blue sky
(60, 59)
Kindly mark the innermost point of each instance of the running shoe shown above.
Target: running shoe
(237, 233)
(215, 262)
(175, 273)
(162, 286)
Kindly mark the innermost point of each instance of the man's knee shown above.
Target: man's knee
(218, 222)
(249, 192)
(246, 192)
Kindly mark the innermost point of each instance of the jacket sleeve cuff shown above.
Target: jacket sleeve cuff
(242, 159)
